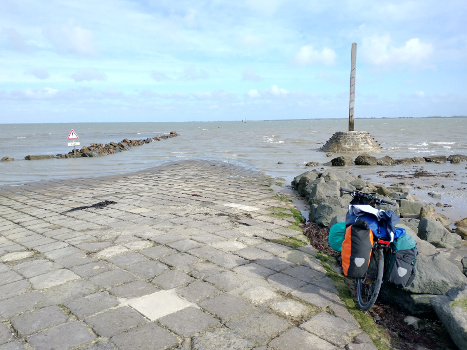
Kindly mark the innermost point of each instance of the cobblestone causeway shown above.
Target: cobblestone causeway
(186, 258)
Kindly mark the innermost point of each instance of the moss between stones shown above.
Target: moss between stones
(282, 213)
(378, 335)
(292, 242)
(462, 303)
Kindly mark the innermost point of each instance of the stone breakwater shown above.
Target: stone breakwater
(99, 149)
(366, 159)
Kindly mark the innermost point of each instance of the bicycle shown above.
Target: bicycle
(369, 286)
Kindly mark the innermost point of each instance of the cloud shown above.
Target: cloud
(33, 94)
(273, 92)
(380, 51)
(15, 40)
(159, 76)
(250, 75)
(307, 55)
(39, 73)
(70, 38)
(88, 75)
(191, 73)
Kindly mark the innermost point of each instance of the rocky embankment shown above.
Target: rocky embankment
(366, 159)
(440, 282)
(99, 149)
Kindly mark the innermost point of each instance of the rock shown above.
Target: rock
(457, 158)
(462, 232)
(451, 309)
(312, 164)
(342, 161)
(423, 247)
(39, 157)
(88, 153)
(413, 160)
(359, 184)
(365, 159)
(383, 190)
(464, 265)
(386, 160)
(7, 159)
(300, 182)
(434, 232)
(429, 212)
(461, 223)
(323, 213)
(409, 208)
(435, 159)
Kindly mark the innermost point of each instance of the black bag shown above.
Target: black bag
(401, 266)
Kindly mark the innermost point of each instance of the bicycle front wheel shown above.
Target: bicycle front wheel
(369, 286)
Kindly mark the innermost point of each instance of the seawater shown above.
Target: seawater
(277, 148)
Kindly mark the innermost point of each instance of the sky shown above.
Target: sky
(215, 60)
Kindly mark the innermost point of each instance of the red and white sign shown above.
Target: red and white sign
(72, 135)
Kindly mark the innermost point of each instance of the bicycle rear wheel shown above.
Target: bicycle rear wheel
(369, 286)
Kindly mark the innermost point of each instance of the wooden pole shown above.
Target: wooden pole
(352, 86)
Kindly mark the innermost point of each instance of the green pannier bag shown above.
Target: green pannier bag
(337, 236)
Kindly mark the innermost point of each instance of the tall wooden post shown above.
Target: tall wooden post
(352, 86)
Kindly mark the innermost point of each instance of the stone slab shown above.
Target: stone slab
(188, 321)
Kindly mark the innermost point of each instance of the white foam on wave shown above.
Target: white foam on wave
(442, 143)
(21, 137)
(271, 139)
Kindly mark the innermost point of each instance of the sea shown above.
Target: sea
(279, 148)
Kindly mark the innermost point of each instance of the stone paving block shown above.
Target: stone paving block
(184, 245)
(53, 278)
(275, 263)
(148, 336)
(254, 270)
(65, 292)
(91, 269)
(220, 339)
(332, 329)
(172, 279)
(229, 245)
(93, 247)
(112, 278)
(188, 321)
(285, 283)
(164, 239)
(157, 251)
(209, 238)
(326, 283)
(12, 289)
(9, 277)
(148, 269)
(115, 321)
(259, 325)
(62, 253)
(51, 246)
(19, 304)
(198, 291)
(133, 289)
(35, 267)
(102, 344)
(253, 253)
(225, 306)
(14, 345)
(296, 338)
(5, 334)
(260, 295)
(316, 295)
(127, 259)
(16, 253)
(204, 269)
(304, 273)
(138, 245)
(292, 309)
(76, 335)
(227, 280)
(37, 320)
(91, 304)
(228, 260)
(180, 260)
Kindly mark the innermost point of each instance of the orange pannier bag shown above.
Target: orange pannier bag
(356, 249)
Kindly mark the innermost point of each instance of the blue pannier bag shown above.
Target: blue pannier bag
(401, 262)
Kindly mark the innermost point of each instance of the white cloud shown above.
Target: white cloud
(273, 92)
(88, 75)
(380, 51)
(277, 91)
(253, 93)
(307, 55)
(70, 38)
(191, 73)
(39, 73)
(15, 40)
(250, 75)
(159, 76)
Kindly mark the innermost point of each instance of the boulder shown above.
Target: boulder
(429, 212)
(323, 213)
(413, 160)
(301, 181)
(385, 161)
(312, 164)
(451, 309)
(409, 208)
(435, 159)
(39, 157)
(457, 158)
(434, 232)
(365, 159)
(7, 159)
(342, 161)
(359, 184)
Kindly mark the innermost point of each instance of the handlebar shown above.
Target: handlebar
(366, 196)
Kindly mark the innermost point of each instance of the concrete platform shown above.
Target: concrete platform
(184, 259)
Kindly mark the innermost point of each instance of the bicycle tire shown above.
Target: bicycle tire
(369, 286)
